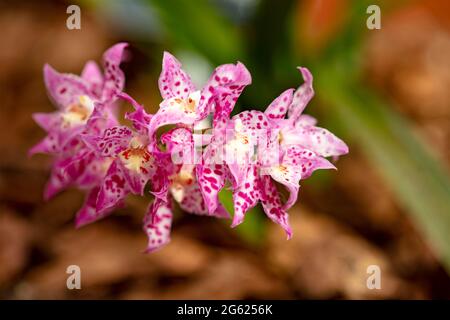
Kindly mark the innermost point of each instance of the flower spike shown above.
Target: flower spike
(253, 153)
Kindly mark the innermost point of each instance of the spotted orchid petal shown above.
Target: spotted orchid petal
(288, 175)
(157, 224)
(317, 139)
(47, 121)
(223, 88)
(184, 105)
(113, 189)
(278, 108)
(301, 96)
(93, 76)
(160, 180)
(272, 205)
(173, 81)
(101, 118)
(180, 145)
(307, 160)
(180, 138)
(74, 166)
(63, 129)
(211, 179)
(175, 111)
(249, 128)
(259, 137)
(253, 120)
(246, 195)
(305, 120)
(114, 78)
(57, 182)
(113, 141)
(59, 141)
(82, 169)
(301, 163)
(180, 151)
(185, 190)
(88, 212)
(64, 89)
(48, 145)
(212, 172)
(85, 169)
(138, 117)
(194, 203)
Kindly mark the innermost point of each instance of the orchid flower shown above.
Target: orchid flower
(186, 107)
(75, 96)
(183, 188)
(182, 103)
(304, 144)
(287, 150)
(183, 179)
(83, 104)
(299, 128)
(133, 164)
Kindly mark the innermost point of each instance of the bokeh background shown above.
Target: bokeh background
(385, 92)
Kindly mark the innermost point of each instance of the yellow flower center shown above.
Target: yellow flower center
(180, 181)
(135, 159)
(187, 105)
(78, 113)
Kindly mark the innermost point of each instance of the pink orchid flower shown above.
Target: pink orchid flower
(183, 179)
(183, 188)
(184, 104)
(185, 107)
(287, 150)
(133, 163)
(83, 104)
(300, 140)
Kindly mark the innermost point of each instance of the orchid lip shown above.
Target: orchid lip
(78, 113)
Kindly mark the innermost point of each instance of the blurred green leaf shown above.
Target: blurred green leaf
(415, 176)
(418, 180)
(198, 26)
(270, 52)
